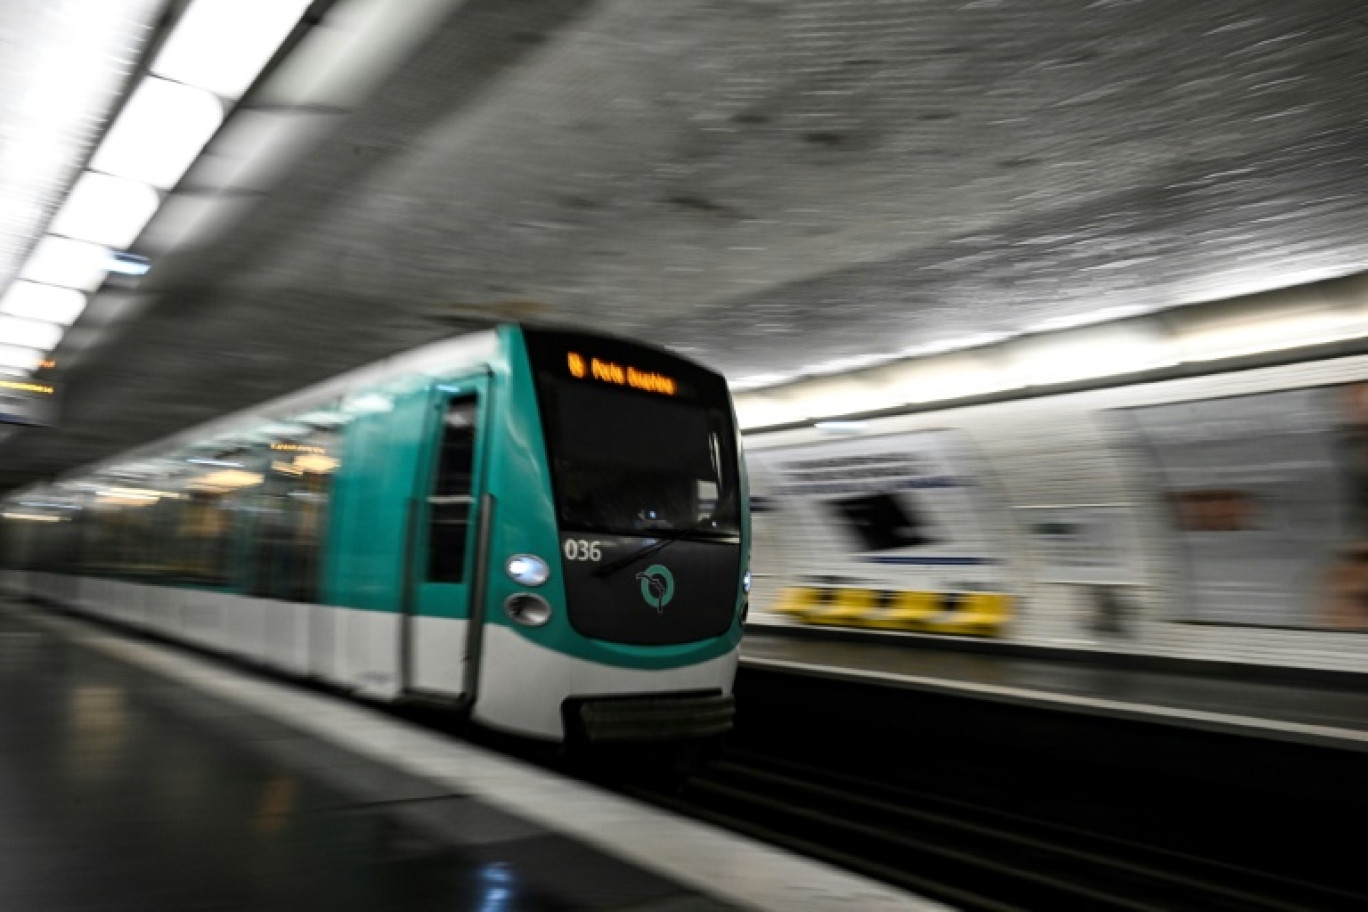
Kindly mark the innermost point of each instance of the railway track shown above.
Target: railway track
(966, 855)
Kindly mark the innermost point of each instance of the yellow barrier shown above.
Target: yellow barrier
(979, 613)
(846, 606)
(907, 610)
(797, 600)
(963, 613)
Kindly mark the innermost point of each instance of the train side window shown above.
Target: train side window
(205, 515)
(292, 515)
(449, 504)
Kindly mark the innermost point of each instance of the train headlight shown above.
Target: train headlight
(745, 581)
(527, 570)
(528, 609)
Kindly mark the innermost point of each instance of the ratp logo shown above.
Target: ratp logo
(657, 586)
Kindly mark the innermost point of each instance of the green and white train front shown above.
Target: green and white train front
(623, 623)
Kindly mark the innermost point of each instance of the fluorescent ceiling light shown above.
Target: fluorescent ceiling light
(960, 386)
(159, 133)
(828, 397)
(66, 64)
(1085, 354)
(955, 376)
(29, 333)
(1273, 333)
(106, 210)
(43, 302)
(72, 264)
(221, 45)
(758, 380)
(18, 358)
(756, 411)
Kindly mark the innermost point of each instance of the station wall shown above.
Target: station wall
(1214, 517)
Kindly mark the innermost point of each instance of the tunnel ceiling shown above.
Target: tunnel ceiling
(765, 185)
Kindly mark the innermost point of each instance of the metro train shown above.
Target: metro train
(545, 530)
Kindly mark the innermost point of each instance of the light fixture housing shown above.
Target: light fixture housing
(527, 609)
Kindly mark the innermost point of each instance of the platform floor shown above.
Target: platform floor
(1329, 710)
(139, 776)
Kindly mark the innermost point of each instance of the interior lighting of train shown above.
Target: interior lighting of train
(315, 464)
(132, 497)
(226, 480)
(33, 517)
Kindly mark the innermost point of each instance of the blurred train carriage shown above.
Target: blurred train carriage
(547, 530)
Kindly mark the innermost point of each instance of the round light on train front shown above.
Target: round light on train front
(746, 581)
(527, 570)
(527, 609)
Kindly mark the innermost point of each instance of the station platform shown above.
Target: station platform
(136, 775)
(1328, 709)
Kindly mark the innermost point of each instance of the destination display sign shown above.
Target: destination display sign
(572, 359)
(588, 367)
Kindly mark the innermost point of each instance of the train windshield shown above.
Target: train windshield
(656, 460)
(625, 463)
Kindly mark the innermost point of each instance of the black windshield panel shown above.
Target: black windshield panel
(637, 460)
(627, 463)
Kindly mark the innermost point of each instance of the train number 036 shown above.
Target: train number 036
(579, 549)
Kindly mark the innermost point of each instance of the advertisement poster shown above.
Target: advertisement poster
(1267, 499)
(1080, 543)
(897, 512)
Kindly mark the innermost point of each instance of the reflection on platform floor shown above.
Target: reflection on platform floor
(136, 776)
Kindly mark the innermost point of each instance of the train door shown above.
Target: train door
(443, 567)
